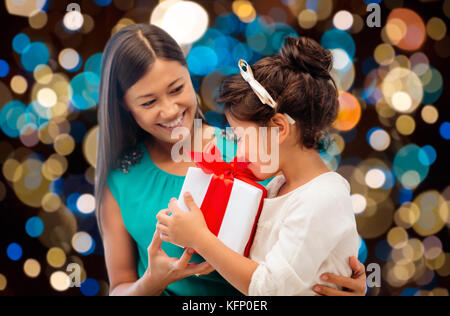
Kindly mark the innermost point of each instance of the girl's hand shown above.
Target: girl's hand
(356, 285)
(182, 228)
(164, 270)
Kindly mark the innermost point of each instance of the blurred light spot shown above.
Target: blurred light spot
(83, 243)
(21, 43)
(244, 10)
(24, 8)
(34, 227)
(445, 130)
(14, 251)
(86, 203)
(202, 60)
(407, 167)
(397, 237)
(379, 139)
(36, 54)
(4, 68)
(185, 21)
(430, 114)
(349, 112)
(405, 29)
(90, 287)
(436, 28)
(307, 19)
(56, 257)
(69, 59)
(73, 21)
(19, 84)
(405, 125)
(32, 268)
(375, 178)
(47, 97)
(359, 203)
(343, 20)
(3, 282)
(59, 281)
(427, 155)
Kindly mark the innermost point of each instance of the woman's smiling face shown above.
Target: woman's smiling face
(163, 99)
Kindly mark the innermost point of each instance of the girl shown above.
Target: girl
(307, 225)
(146, 91)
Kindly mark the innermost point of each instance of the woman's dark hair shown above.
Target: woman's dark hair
(298, 79)
(128, 55)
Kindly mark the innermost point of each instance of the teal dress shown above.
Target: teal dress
(141, 194)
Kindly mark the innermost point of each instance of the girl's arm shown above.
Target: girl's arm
(233, 267)
(190, 230)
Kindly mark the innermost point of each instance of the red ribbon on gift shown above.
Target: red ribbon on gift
(218, 194)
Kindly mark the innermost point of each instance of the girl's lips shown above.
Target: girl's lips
(179, 125)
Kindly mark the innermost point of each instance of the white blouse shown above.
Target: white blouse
(302, 234)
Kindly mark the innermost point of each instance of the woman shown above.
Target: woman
(146, 92)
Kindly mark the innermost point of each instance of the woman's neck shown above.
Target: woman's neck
(308, 165)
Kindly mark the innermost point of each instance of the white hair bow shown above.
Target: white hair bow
(260, 91)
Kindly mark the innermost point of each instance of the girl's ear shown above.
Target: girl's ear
(284, 128)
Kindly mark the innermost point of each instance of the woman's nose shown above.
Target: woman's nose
(170, 110)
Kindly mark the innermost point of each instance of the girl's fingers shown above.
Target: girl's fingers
(162, 228)
(163, 216)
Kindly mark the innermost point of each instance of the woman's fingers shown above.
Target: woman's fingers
(348, 283)
(155, 245)
(185, 257)
(205, 268)
(357, 267)
(322, 290)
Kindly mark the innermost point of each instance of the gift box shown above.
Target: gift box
(229, 197)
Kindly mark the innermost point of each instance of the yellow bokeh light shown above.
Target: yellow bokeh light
(32, 268)
(56, 257)
(19, 84)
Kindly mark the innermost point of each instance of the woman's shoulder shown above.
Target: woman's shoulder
(125, 164)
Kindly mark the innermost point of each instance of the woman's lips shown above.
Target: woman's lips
(179, 124)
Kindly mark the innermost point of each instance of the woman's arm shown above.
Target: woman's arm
(120, 256)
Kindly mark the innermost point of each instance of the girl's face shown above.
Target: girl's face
(259, 148)
(163, 99)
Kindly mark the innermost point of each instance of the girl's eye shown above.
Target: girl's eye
(178, 89)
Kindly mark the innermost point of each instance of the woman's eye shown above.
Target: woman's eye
(149, 103)
(177, 89)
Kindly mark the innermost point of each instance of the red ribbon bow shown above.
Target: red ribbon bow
(218, 194)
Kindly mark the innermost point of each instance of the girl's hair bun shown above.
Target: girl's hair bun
(307, 56)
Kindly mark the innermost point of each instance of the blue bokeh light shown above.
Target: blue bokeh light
(34, 227)
(14, 251)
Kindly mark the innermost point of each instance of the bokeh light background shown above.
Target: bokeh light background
(391, 138)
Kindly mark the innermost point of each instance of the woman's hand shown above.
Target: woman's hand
(182, 228)
(356, 285)
(164, 270)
